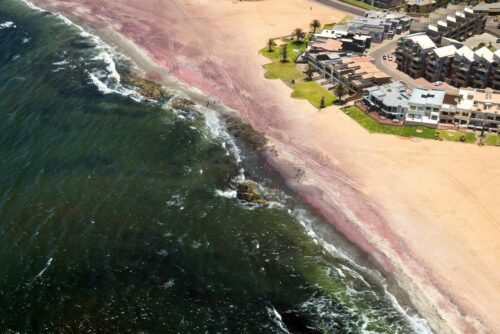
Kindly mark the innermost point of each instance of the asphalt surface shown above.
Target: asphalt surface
(342, 6)
(396, 75)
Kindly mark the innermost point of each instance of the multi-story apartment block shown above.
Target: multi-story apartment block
(492, 8)
(457, 65)
(424, 107)
(473, 68)
(455, 21)
(423, 6)
(384, 4)
(412, 52)
(356, 73)
(438, 63)
(475, 109)
(376, 24)
(390, 100)
(496, 74)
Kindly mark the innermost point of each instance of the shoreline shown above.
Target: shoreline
(346, 194)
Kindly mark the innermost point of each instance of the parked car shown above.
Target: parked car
(384, 57)
(390, 58)
(438, 83)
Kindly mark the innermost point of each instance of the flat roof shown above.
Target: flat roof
(422, 40)
(393, 94)
(445, 51)
(484, 100)
(427, 96)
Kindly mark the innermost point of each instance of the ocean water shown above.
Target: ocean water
(118, 214)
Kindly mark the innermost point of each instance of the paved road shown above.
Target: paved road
(342, 6)
(396, 75)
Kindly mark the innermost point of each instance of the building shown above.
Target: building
(356, 73)
(496, 76)
(475, 69)
(389, 100)
(458, 22)
(379, 25)
(438, 63)
(412, 52)
(423, 6)
(457, 65)
(384, 4)
(424, 107)
(477, 109)
(491, 9)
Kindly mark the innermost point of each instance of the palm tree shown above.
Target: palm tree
(299, 34)
(284, 53)
(322, 103)
(315, 24)
(270, 45)
(340, 90)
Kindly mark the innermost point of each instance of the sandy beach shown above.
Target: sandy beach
(427, 212)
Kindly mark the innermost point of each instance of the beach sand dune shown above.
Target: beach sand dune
(427, 212)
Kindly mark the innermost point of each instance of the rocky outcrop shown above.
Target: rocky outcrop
(249, 192)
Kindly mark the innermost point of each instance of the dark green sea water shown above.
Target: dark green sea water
(117, 215)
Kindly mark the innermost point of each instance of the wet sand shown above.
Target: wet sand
(427, 212)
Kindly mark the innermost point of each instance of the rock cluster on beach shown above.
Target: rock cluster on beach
(146, 88)
(249, 191)
(238, 129)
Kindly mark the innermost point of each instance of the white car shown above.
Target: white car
(438, 83)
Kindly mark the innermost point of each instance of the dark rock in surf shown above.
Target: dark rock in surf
(249, 192)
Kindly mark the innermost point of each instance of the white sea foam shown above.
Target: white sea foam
(40, 274)
(219, 130)
(26, 40)
(110, 65)
(276, 317)
(6, 25)
(418, 324)
(108, 82)
(229, 193)
(62, 62)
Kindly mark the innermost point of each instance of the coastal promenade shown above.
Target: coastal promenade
(426, 212)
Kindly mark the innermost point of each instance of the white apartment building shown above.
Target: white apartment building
(424, 107)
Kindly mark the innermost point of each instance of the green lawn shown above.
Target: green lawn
(284, 71)
(409, 130)
(313, 92)
(288, 72)
(375, 127)
(328, 26)
(360, 4)
(451, 135)
(493, 140)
